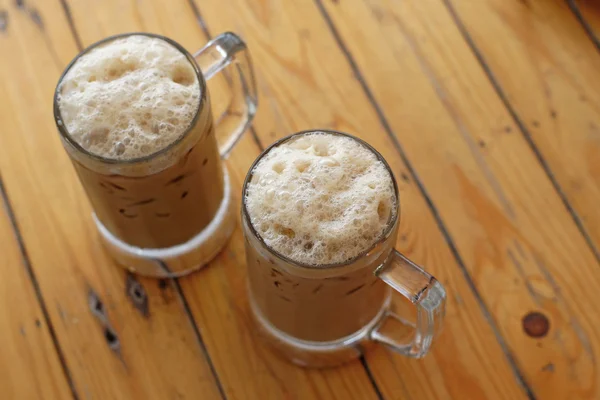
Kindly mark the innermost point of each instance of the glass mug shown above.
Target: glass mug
(326, 315)
(169, 213)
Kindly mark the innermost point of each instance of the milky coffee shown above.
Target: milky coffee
(134, 103)
(318, 199)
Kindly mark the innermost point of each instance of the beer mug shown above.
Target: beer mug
(326, 314)
(169, 212)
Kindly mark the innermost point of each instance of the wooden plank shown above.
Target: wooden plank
(30, 367)
(305, 82)
(122, 354)
(216, 296)
(555, 94)
(521, 247)
(589, 12)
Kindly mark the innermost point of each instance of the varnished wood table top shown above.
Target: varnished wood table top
(488, 112)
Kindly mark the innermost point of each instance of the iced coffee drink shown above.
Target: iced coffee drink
(317, 202)
(136, 122)
(320, 216)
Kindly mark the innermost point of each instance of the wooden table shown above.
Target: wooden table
(487, 110)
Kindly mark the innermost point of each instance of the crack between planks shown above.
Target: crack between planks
(256, 139)
(365, 365)
(199, 19)
(36, 287)
(586, 27)
(524, 131)
(203, 348)
(69, 16)
(438, 219)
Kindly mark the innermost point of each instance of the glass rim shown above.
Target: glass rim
(60, 125)
(385, 235)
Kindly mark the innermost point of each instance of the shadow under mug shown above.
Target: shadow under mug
(321, 316)
(169, 213)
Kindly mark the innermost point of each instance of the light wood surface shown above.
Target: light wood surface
(488, 113)
(490, 190)
(30, 366)
(546, 68)
(308, 83)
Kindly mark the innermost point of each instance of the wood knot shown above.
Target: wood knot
(136, 293)
(536, 324)
(112, 339)
(3, 20)
(99, 311)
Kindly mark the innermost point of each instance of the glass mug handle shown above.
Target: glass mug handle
(225, 50)
(425, 293)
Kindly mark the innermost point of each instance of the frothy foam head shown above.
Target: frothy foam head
(320, 198)
(129, 98)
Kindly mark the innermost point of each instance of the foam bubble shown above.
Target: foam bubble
(320, 198)
(129, 97)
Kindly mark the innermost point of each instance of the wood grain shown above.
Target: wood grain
(305, 82)
(478, 207)
(519, 244)
(30, 366)
(555, 93)
(217, 295)
(124, 354)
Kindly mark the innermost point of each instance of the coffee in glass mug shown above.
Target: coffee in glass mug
(134, 115)
(320, 217)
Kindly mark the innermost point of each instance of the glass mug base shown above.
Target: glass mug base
(184, 258)
(312, 354)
